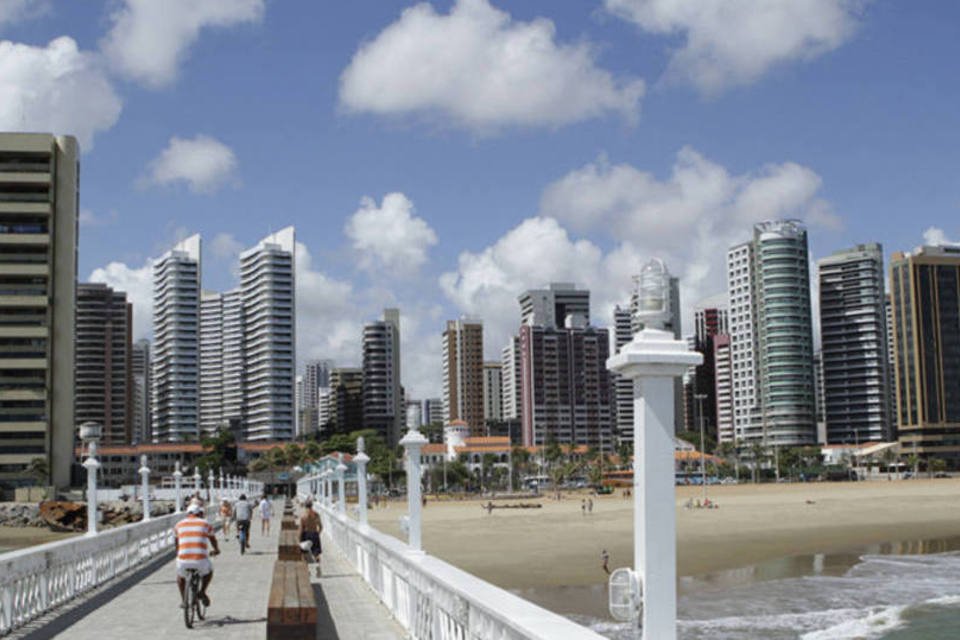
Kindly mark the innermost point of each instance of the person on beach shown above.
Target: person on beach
(266, 510)
(583, 506)
(310, 530)
(489, 507)
(605, 560)
(226, 515)
(590, 506)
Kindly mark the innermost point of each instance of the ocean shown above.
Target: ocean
(898, 591)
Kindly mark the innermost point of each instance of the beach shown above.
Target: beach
(556, 545)
(19, 537)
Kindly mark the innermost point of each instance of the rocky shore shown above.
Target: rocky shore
(64, 516)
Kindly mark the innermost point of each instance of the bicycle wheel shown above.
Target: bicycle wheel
(198, 603)
(243, 542)
(189, 598)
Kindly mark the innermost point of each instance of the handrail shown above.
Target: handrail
(433, 600)
(39, 579)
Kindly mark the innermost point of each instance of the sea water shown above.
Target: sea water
(875, 595)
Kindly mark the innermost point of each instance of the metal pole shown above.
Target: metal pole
(145, 487)
(703, 452)
(91, 466)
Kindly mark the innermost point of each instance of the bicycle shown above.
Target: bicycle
(193, 607)
(243, 528)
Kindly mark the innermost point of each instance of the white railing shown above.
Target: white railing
(38, 579)
(434, 600)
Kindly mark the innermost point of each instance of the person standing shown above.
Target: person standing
(266, 511)
(226, 515)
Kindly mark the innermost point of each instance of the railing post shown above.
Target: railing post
(413, 441)
(361, 460)
(211, 489)
(196, 481)
(145, 487)
(341, 492)
(91, 465)
(178, 483)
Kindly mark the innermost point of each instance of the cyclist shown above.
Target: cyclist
(191, 535)
(242, 512)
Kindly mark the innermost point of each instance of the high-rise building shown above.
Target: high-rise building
(39, 178)
(565, 387)
(233, 363)
(382, 392)
(926, 333)
(772, 336)
(492, 391)
(104, 384)
(316, 375)
(326, 401)
(176, 328)
(463, 373)
(622, 386)
(819, 401)
(211, 362)
(854, 346)
(432, 411)
(269, 342)
(710, 318)
(140, 378)
(723, 388)
(891, 365)
(346, 401)
(510, 380)
(550, 307)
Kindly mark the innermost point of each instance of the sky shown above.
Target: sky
(444, 156)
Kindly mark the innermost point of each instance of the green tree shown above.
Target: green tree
(259, 465)
(937, 465)
(39, 470)
(292, 454)
(625, 452)
(312, 451)
(759, 455)
(219, 452)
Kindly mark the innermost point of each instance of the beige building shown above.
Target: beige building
(38, 269)
(463, 374)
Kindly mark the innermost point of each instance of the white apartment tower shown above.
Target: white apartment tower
(856, 388)
(268, 299)
(176, 328)
(510, 380)
(211, 362)
(772, 336)
(622, 387)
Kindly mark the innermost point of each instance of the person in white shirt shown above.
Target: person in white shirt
(242, 511)
(266, 510)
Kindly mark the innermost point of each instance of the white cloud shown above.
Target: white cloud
(88, 218)
(935, 236)
(55, 88)
(536, 252)
(734, 42)
(482, 70)
(149, 39)
(138, 284)
(225, 246)
(203, 163)
(12, 11)
(389, 239)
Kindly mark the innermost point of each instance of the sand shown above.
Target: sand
(19, 537)
(557, 545)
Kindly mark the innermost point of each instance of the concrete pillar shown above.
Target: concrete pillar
(413, 442)
(91, 464)
(361, 460)
(652, 360)
(145, 487)
(178, 483)
(341, 490)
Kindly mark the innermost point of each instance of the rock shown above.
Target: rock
(64, 516)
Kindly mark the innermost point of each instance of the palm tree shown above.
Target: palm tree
(758, 451)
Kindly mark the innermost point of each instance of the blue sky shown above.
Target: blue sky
(444, 156)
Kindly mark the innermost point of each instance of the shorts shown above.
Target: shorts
(314, 539)
(203, 567)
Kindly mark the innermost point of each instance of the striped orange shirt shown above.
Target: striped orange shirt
(192, 534)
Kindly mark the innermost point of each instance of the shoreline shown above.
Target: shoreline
(557, 546)
(15, 538)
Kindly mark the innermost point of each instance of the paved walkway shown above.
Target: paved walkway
(346, 608)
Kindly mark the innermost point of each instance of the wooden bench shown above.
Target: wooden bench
(292, 608)
(288, 522)
(289, 549)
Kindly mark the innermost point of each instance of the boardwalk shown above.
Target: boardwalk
(347, 609)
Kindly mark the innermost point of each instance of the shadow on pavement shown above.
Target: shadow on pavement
(326, 628)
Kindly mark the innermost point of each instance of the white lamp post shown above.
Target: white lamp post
(211, 488)
(413, 442)
(653, 360)
(91, 465)
(341, 492)
(178, 482)
(145, 487)
(361, 460)
(196, 480)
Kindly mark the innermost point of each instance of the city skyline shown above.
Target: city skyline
(532, 171)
